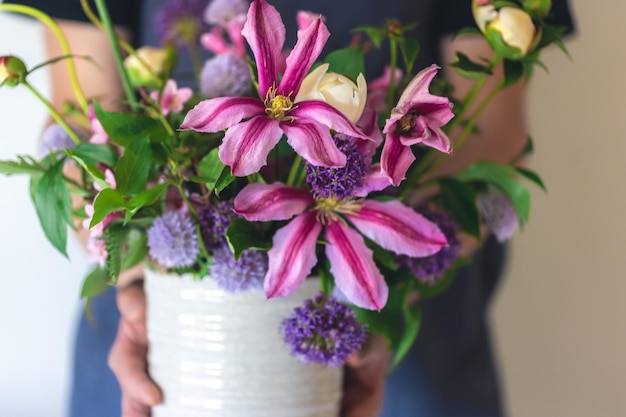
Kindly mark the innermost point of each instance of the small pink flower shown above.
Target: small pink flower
(99, 136)
(377, 90)
(173, 98)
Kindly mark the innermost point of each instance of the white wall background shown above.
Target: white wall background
(560, 315)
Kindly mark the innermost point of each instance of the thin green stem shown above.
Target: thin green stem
(108, 28)
(393, 62)
(58, 33)
(293, 172)
(53, 112)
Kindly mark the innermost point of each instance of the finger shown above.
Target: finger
(128, 361)
(362, 397)
(133, 408)
(131, 302)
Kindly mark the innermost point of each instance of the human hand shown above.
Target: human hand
(364, 379)
(128, 356)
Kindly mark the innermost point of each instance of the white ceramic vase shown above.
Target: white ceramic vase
(216, 354)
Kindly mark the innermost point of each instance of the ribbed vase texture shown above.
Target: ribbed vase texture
(216, 354)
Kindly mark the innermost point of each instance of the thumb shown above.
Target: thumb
(131, 301)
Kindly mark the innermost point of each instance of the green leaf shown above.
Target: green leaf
(136, 248)
(470, 69)
(412, 322)
(429, 290)
(211, 168)
(513, 72)
(347, 61)
(125, 128)
(242, 234)
(131, 171)
(501, 176)
(224, 180)
(460, 199)
(54, 206)
(147, 197)
(376, 34)
(96, 283)
(107, 201)
(532, 176)
(92, 154)
(115, 238)
(409, 47)
(24, 165)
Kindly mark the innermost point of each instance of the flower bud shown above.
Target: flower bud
(335, 89)
(12, 71)
(149, 66)
(539, 8)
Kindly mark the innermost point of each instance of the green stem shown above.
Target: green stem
(108, 28)
(190, 206)
(393, 62)
(58, 33)
(293, 172)
(53, 112)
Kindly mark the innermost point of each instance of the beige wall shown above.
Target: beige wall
(560, 317)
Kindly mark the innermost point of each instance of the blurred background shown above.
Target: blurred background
(559, 319)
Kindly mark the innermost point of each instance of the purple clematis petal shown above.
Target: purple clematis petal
(246, 145)
(221, 113)
(326, 115)
(265, 32)
(314, 143)
(398, 228)
(395, 159)
(292, 255)
(352, 265)
(266, 202)
(310, 43)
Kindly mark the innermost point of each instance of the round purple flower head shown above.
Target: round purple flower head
(55, 138)
(338, 182)
(225, 75)
(243, 274)
(214, 220)
(498, 214)
(430, 269)
(323, 331)
(179, 22)
(220, 12)
(173, 241)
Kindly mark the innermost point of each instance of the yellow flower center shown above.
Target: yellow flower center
(277, 106)
(328, 209)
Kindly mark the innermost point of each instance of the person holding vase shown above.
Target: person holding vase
(450, 370)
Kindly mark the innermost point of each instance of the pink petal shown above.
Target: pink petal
(292, 255)
(398, 228)
(327, 115)
(234, 28)
(438, 140)
(221, 113)
(374, 180)
(418, 86)
(314, 143)
(214, 41)
(304, 18)
(245, 146)
(310, 43)
(266, 202)
(265, 32)
(395, 159)
(353, 267)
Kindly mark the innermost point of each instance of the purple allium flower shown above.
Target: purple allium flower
(55, 138)
(220, 12)
(179, 22)
(323, 331)
(430, 269)
(214, 220)
(225, 75)
(243, 274)
(173, 241)
(338, 182)
(498, 214)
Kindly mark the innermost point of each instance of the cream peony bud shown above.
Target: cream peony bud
(335, 89)
(157, 59)
(12, 71)
(515, 27)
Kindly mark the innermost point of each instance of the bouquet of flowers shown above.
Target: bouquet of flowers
(283, 165)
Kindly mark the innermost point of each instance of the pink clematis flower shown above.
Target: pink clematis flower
(390, 224)
(417, 118)
(172, 98)
(306, 124)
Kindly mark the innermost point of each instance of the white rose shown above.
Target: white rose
(335, 89)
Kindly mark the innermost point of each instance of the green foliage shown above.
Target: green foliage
(91, 154)
(136, 248)
(348, 61)
(24, 165)
(470, 69)
(432, 290)
(95, 284)
(106, 202)
(513, 72)
(215, 175)
(242, 235)
(124, 128)
(144, 198)
(54, 206)
(115, 237)
(376, 34)
(132, 169)
(412, 315)
(409, 48)
(460, 199)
